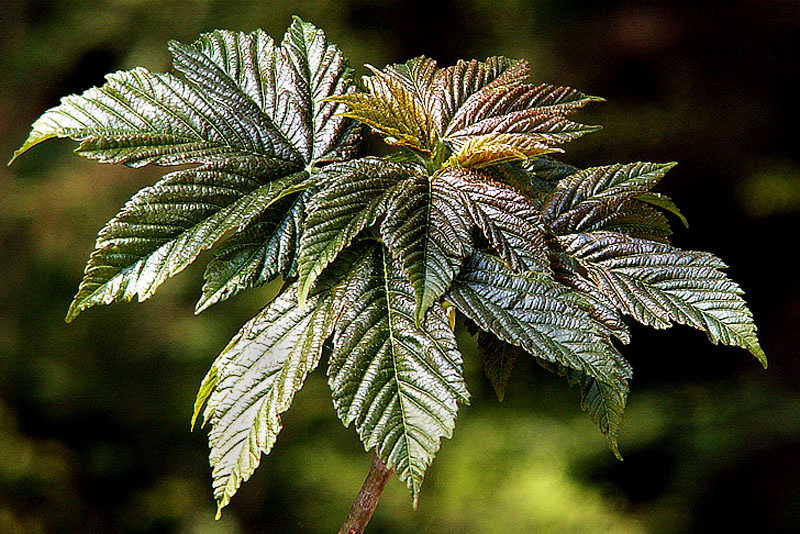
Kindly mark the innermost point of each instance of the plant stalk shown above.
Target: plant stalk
(367, 499)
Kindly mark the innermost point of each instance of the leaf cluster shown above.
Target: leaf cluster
(378, 255)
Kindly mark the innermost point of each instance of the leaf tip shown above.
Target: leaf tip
(759, 353)
(73, 312)
(614, 446)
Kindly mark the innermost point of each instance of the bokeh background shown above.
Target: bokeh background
(94, 416)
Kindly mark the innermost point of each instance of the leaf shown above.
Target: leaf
(398, 383)
(248, 112)
(256, 378)
(544, 318)
(583, 201)
(352, 196)
(428, 230)
(321, 71)
(140, 117)
(281, 86)
(483, 111)
(665, 203)
(568, 271)
(513, 121)
(494, 148)
(549, 322)
(454, 85)
(266, 248)
(658, 285)
(548, 169)
(163, 228)
(393, 106)
(509, 221)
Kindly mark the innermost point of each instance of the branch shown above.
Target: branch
(367, 499)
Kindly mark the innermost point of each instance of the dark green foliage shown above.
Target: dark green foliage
(542, 257)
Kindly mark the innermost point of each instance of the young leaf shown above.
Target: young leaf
(483, 112)
(393, 105)
(399, 383)
(658, 284)
(455, 84)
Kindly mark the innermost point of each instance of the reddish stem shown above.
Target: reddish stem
(367, 499)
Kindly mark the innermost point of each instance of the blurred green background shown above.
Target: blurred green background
(94, 416)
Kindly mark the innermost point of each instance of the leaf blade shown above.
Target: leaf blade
(257, 376)
(658, 285)
(399, 384)
(354, 194)
(165, 227)
(426, 228)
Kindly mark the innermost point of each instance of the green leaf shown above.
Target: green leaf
(658, 285)
(665, 203)
(163, 228)
(248, 112)
(546, 319)
(266, 248)
(585, 200)
(140, 117)
(568, 271)
(320, 71)
(254, 380)
(352, 196)
(548, 169)
(427, 228)
(280, 88)
(206, 389)
(257, 376)
(550, 322)
(400, 384)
